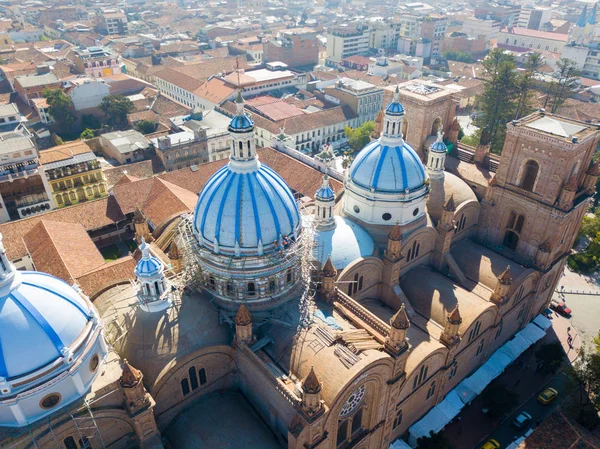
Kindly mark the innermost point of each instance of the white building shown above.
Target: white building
(87, 93)
(343, 42)
(527, 39)
(534, 17)
(475, 27)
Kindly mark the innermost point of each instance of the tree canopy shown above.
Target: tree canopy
(499, 399)
(145, 126)
(359, 137)
(116, 108)
(565, 81)
(434, 441)
(550, 357)
(60, 107)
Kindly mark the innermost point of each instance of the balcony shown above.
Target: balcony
(34, 208)
(24, 173)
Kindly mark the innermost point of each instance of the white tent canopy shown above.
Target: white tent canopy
(437, 418)
(399, 444)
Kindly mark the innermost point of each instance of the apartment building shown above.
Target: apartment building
(476, 27)
(433, 28)
(364, 99)
(124, 146)
(343, 42)
(29, 87)
(24, 188)
(534, 17)
(74, 173)
(296, 47)
(96, 62)
(113, 22)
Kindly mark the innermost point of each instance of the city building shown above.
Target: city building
(526, 39)
(124, 147)
(363, 98)
(403, 67)
(534, 17)
(86, 93)
(24, 188)
(433, 29)
(506, 13)
(296, 47)
(29, 87)
(384, 34)
(10, 117)
(583, 47)
(113, 22)
(96, 62)
(43, 110)
(276, 76)
(74, 173)
(343, 42)
(487, 28)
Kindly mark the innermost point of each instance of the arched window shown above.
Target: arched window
(289, 277)
(474, 332)
(70, 443)
(185, 386)
(360, 283)
(530, 174)
(431, 390)
(272, 285)
(251, 289)
(193, 377)
(202, 376)
(230, 288)
(350, 422)
(435, 127)
(413, 252)
(404, 127)
(84, 443)
(211, 281)
(156, 289)
(514, 227)
(519, 294)
(421, 377)
(241, 145)
(460, 225)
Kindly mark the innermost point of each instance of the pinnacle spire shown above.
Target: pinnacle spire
(328, 269)
(396, 233)
(311, 384)
(594, 169)
(400, 319)
(454, 316)
(243, 316)
(174, 251)
(571, 184)
(505, 278)
(130, 376)
(138, 216)
(582, 18)
(450, 206)
(592, 17)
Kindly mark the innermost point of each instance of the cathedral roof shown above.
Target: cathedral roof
(582, 17)
(450, 206)
(395, 107)
(148, 266)
(592, 16)
(442, 189)
(325, 192)
(328, 269)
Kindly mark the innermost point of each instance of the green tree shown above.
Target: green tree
(550, 357)
(525, 84)
(116, 108)
(499, 400)
(359, 137)
(565, 81)
(91, 122)
(87, 134)
(60, 107)
(459, 56)
(497, 102)
(145, 126)
(434, 441)
(586, 372)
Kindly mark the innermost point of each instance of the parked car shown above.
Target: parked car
(491, 444)
(560, 308)
(521, 420)
(548, 395)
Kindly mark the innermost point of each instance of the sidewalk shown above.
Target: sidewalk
(520, 377)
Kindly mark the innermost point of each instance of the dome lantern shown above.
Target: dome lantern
(437, 156)
(153, 289)
(324, 204)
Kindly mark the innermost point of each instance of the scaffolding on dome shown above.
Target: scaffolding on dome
(191, 274)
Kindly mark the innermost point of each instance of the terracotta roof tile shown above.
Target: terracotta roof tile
(64, 250)
(139, 170)
(165, 201)
(215, 90)
(91, 215)
(62, 152)
(111, 273)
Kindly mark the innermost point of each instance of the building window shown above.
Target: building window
(521, 312)
(474, 331)
(272, 285)
(185, 386)
(452, 371)
(398, 418)
(251, 289)
(289, 276)
(529, 176)
(431, 390)
(350, 422)
(94, 362)
(519, 294)
(499, 331)
(480, 347)
(69, 443)
(513, 230)
(50, 401)
(387, 216)
(421, 377)
(413, 252)
(461, 223)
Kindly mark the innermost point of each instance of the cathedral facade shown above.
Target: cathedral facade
(340, 325)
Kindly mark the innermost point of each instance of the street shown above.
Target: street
(506, 433)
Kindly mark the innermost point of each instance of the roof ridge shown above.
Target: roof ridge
(43, 223)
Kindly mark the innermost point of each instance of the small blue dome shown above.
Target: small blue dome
(148, 266)
(394, 108)
(325, 194)
(439, 146)
(240, 123)
(247, 210)
(40, 316)
(388, 169)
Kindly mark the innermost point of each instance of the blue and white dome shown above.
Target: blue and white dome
(40, 318)
(439, 146)
(395, 108)
(148, 266)
(325, 192)
(388, 168)
(245, 209)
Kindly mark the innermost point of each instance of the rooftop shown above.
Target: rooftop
(535, 33)
(37, 80)
(64, 152)
(9, 109)
(258, 76)
(559, 127)
(127, 141)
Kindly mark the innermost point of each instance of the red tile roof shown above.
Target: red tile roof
(535, 33)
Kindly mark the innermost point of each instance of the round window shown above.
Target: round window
(94, 363)
(386, 216)
(50, 401)
(357, 209)
(353, 401)
(416, 212)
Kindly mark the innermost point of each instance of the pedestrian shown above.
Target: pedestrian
(569, 330)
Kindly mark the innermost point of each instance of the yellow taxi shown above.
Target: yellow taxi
(491, 444)
(548, 396)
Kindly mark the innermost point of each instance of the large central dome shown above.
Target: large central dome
(388, 168)
(246, 210)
